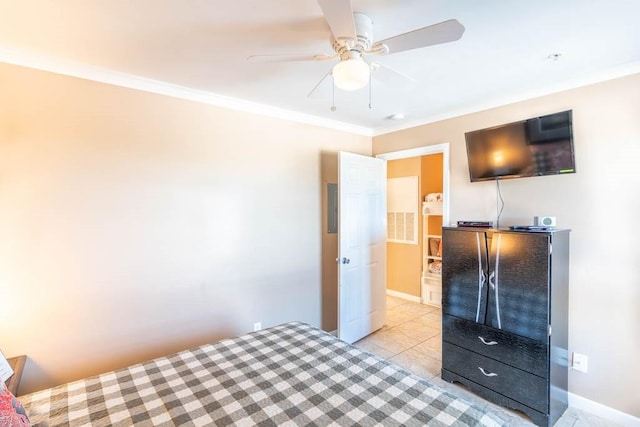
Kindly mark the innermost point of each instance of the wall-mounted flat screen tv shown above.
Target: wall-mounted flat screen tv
(534, 147)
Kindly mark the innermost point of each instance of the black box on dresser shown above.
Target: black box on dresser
(505, 317)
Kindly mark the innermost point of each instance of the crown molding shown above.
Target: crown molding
(593, 78)
(98, 74)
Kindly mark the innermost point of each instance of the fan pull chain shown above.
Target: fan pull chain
(369, 91)
(333, 95)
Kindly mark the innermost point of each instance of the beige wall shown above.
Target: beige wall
(135, 224)
(600, 203)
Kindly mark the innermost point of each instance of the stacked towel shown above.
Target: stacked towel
(435, 267)
(433, 197)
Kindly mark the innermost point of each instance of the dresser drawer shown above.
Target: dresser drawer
(520, 352)
(521, 386)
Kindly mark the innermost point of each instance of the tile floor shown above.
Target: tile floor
(412, 339)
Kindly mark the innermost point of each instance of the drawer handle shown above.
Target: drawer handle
(490, 374)
(485, 342)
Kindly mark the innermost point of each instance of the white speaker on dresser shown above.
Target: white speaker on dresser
(547, 221)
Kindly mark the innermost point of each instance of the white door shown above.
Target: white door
(362, 228)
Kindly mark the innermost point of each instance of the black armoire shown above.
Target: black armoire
(504, 317)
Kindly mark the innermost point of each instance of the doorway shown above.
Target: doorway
(419, 287)
(412, 336)
(329, 166)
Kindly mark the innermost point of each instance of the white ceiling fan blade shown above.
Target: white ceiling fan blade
(289, 57)
(443, 32)
(339, 16)
(389, 75)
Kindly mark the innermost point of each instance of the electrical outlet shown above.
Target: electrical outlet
(580, 362)
(257, 326)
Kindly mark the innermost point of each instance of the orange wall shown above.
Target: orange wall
(431, 182)
(431, 174)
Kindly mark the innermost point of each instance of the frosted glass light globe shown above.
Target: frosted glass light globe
(351, 74)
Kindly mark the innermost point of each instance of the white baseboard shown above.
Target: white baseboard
(603, 411)
(403, 296)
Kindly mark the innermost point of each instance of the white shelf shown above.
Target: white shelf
(431, 276)
(431, 208)
(431, 282)
(431, 290)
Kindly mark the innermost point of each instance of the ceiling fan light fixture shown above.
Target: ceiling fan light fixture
(351, 74)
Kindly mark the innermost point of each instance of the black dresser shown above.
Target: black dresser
(505, 315)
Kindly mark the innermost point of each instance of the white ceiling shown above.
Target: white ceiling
(201, 47)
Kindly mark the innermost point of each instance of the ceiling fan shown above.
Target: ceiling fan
(352, 40)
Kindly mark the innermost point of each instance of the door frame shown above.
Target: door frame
(425, 151)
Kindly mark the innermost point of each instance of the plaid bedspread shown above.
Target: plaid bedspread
(288, 375)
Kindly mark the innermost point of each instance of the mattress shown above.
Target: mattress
(289, 375)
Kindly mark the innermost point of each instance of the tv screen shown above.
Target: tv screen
(534, 147)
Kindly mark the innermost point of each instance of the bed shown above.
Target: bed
(288, 375)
